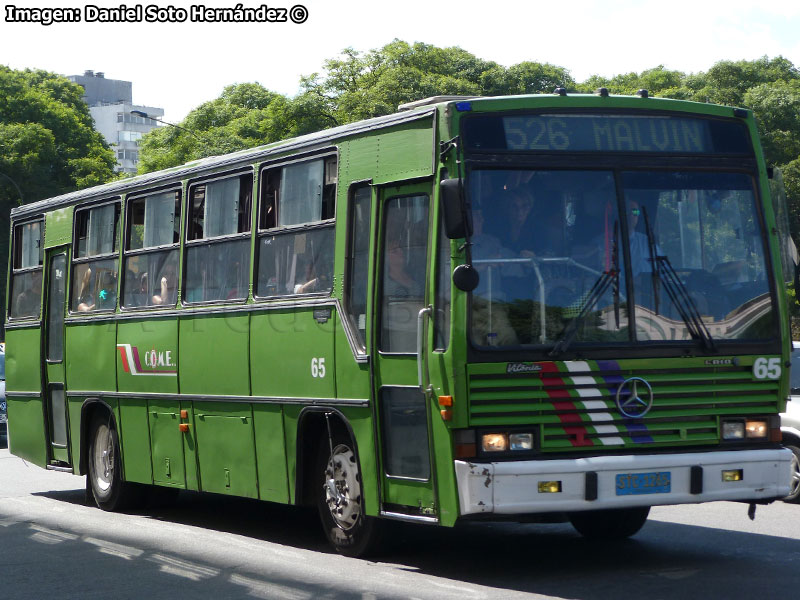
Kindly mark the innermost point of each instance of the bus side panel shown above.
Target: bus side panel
(166, 442)
(213, 355)
(26, 425)
(226, 448)
(135, 440)
(91, 353)
(271, 453)
(292, 353)
(392, 154)
(352, 378)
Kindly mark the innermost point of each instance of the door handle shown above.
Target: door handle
(422, 354)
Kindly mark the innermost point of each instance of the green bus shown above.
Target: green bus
(511, 308)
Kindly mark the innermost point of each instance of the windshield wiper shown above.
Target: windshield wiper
(663, 271)
(596, 292)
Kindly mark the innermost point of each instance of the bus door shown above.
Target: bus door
(407, 479)
(53, 343)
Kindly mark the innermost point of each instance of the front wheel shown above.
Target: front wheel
(612, 524)
(109, 490)
(340, 501)
(794, 489)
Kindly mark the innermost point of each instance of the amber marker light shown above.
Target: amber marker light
(184, 427)
(733, 475)
(549, 487)
(447, 415)
(184, 414)
(446, 401)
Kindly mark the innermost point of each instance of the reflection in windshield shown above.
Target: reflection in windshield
(543, 239)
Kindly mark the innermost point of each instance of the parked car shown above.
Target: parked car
(790, 424)
(3, 407)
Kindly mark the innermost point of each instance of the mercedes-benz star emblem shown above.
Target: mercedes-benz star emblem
(629, 401)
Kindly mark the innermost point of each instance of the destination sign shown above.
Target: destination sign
(605, 133)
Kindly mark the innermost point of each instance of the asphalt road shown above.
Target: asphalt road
(207, 546)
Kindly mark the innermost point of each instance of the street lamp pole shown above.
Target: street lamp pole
(143, 114)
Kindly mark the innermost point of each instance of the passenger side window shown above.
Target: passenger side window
(26, 278)
(296, 228)
(152, 237)
(94, 264)
(217, 240)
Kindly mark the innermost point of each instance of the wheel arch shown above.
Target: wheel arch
(89, 408)
(311, 427)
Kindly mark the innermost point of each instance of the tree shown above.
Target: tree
(48, 144)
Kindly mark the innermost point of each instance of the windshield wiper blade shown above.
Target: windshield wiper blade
(595, 293)
(663, 271)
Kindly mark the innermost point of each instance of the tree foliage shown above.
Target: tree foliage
(48, 144)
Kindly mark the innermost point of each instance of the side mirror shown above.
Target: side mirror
(455, 209)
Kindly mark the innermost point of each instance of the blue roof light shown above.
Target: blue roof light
(463, 106)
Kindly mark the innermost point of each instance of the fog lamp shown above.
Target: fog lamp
(732, 430)
(756, 429)
(520, 441)
(494, 442)
(733, 475)
(549, 487)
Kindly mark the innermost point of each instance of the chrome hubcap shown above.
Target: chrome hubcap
(342, 488)
(103, 458)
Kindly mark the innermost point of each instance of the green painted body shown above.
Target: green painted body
(248, 374)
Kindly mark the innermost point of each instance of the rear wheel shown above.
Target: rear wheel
(794, 490)
(109, 490)
(613, 524)
(340, 500)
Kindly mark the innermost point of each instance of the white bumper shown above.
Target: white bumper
(512, 487)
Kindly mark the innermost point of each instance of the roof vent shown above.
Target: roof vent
(560, 91)
(602, 92)
(88, 73)
(643, 93)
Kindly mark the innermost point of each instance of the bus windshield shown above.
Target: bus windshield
(581, 256)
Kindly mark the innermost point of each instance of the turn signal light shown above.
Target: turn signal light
(445, 401)
(184, 427)
(447, 415)
(184, 414)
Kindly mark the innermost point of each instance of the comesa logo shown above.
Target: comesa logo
(156, 362)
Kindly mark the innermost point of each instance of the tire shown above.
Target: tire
(108, 489)
(612, 524)
(794, 494)
(340, 499)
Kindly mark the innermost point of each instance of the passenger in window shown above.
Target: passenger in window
(85, 295)
(27, 302)
(107, 295)
(168, 286)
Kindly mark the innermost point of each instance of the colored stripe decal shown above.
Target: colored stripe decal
(598, 404)
(562, 402)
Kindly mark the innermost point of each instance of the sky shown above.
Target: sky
(178, 66)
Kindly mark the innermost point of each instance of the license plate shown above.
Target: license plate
(643, 483)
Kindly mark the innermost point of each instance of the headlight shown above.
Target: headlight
(520, 441)
(732, 430)
(494, 442)
(756, 429)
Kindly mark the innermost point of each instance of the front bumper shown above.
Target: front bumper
(512, 487)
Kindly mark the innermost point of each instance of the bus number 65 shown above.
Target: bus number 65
(318, 367)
